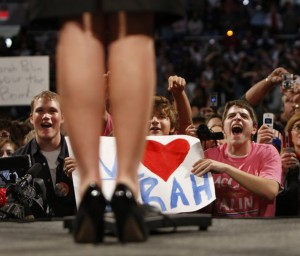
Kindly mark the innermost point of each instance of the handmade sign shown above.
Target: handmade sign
(21, 78)
(165, 176)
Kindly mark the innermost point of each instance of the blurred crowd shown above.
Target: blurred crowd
(220, 47)
(221, 53)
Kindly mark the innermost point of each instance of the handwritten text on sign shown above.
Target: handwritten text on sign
(165, 174)
(21, 78)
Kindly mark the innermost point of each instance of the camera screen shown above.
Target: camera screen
(213, 99)
(268, 120)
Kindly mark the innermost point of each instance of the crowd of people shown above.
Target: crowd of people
(272, 172)
(254, 174)
(209, 60)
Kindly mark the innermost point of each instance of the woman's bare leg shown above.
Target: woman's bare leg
(132, 83)
(80, 69)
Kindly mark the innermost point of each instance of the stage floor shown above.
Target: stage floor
(224, 237)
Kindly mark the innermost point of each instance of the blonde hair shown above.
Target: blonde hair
(44, 94)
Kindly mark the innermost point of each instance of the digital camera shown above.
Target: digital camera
(287, 81)
(204, 133)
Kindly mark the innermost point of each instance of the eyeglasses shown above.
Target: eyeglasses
(296, 128)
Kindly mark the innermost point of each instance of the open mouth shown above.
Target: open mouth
(154, 129)
(46, 125)
(237, 129)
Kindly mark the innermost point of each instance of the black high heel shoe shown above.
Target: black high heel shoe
(128, 214)
(89, 223)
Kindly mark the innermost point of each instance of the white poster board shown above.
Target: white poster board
(21, 78)
(165, 176)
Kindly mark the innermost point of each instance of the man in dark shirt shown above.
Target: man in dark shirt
(49, 148)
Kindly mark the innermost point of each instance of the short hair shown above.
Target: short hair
(242, 104)
(7, 140)
(213, 116)
(198, 119)
(163, 106)
(44, 94)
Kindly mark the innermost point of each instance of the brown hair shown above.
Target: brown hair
(6, 140)
(44, 94)
(163, 106)
(242, 104)
(292, 121)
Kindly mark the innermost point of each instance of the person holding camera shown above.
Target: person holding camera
(49, 148)
(214, 124)
(290, 96)
(210, 132)
(247, 175)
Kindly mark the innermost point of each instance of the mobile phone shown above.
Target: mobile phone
(268, 119)
(213, 100)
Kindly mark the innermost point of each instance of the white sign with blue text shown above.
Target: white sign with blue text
(165, 176)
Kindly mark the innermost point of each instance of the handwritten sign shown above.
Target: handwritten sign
(21, 78)
(165, 176)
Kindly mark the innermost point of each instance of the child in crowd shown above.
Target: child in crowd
(167, 118)
(7, 147)
(164, 117)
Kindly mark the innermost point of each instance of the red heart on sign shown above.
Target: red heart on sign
(163, 160)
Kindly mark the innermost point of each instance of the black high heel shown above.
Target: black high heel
(128, 214)
(89, 223)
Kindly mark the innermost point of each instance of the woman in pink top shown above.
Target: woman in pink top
(247, 175)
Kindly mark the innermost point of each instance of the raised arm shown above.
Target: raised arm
(176, 87)
(257, 92)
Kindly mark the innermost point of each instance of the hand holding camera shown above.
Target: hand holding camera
(288, 81)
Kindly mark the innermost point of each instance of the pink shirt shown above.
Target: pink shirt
(234, 200)
(109, 126)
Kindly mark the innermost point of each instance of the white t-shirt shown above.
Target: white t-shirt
(52, 163)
